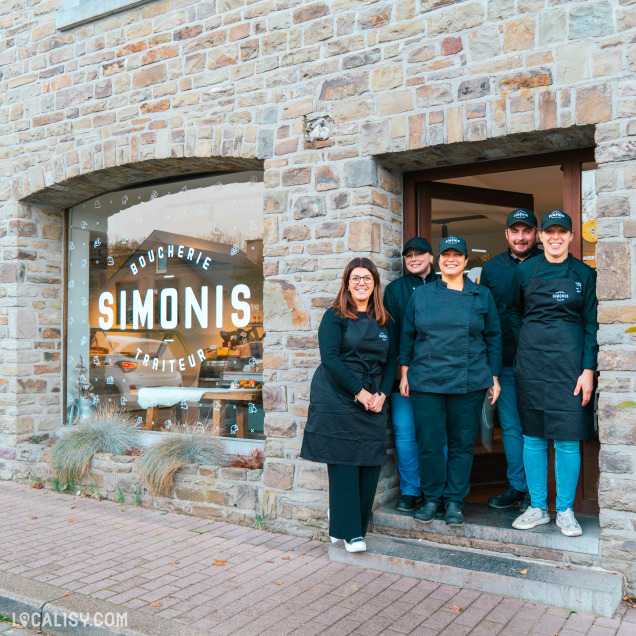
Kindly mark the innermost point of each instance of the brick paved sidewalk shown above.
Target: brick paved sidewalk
(262, 583)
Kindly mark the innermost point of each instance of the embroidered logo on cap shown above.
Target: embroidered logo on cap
(453, 239)
(556, 215)
(520, 214)
(560, 296)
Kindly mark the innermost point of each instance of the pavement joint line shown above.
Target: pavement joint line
(53, 609)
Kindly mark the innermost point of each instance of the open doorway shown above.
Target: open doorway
(473, 201)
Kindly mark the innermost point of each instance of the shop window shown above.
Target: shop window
(165, 304)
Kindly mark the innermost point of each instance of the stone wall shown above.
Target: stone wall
(185, 86)
(222, 493)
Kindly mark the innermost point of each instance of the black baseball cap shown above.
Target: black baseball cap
(522, 215)
(454, 242)
(417, 243)
(556, 217)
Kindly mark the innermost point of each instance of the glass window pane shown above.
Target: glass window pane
(165, 303)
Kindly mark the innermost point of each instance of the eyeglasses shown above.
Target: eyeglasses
(367, 280)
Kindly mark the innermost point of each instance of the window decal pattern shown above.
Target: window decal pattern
(165, 304)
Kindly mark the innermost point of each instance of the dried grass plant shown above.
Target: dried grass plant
(108, 430)
(252, 461)
(188, 443)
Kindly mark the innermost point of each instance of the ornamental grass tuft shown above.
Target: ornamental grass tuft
(189, 443)
(108, 430)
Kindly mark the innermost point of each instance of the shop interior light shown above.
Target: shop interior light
(126, 367)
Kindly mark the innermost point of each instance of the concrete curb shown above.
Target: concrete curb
(50, 609)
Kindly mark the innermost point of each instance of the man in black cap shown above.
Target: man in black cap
(497, 274)
(418, 259)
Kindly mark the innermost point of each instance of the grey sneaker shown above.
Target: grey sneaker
(531, 518)
(569, 525)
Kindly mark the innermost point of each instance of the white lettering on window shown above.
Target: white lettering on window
(171, 297)
(105, 301)
(201, 310)
(219, 306)
(240, 305)
(143, 312)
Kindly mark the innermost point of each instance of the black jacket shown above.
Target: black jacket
(396, 297)
(451, 340)
(398, 293)
(497, 274)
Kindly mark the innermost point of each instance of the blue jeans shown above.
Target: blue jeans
(567, 464)
(405, 444)
(511, 433)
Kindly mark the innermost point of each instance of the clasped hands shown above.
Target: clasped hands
(371, 401)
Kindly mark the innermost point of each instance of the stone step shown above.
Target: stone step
(571, 587)
(490, 529)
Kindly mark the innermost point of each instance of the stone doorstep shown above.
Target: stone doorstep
(57, 610)
(494, 528)
(573, 588)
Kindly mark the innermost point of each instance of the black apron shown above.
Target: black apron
(549, 359)
(339, 430)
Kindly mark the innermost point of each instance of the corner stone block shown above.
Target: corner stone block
(614, 270)
(280, 427)
(361, 172)
(364, 236)
(279, 475)
(284, 309)
(269, 504)
(617, 494)
(593, 104)
(312, 477)
(617, 421)
(22, 324)
(274, 398)
(613, 460)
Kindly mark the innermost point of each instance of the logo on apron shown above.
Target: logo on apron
(579, 286)
(560, 296)
(383, 336)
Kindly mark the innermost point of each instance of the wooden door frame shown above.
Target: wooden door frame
(570, 161)
(418, 191)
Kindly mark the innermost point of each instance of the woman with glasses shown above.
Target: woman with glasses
(347, 422)
(450, 352)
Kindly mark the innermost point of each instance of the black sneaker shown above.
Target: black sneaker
(408, 503)
(454, 516)
(508, 498)
(427, 512)
(525, 502)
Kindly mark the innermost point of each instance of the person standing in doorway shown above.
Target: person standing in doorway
(347, 421)
(497, 274)
(553, 317)
(418, 270)
(450, 355)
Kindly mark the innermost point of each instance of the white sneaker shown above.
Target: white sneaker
(333, 539)
(356, 545)
(569, 525)
(531, 518)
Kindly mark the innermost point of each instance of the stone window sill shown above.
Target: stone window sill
(77, 12)
(149, 438)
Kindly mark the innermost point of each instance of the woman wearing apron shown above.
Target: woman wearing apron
(347, 420)
(553, 317)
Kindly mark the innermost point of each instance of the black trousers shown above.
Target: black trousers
(351, 493)
(453, 419)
